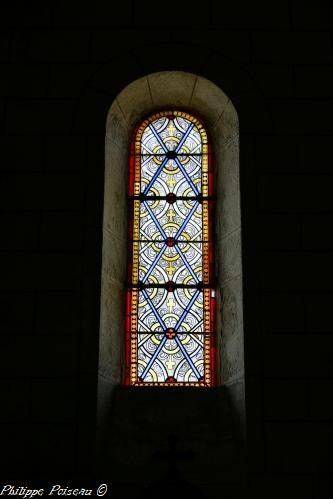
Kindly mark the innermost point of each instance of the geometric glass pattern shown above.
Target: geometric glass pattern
(170, 338)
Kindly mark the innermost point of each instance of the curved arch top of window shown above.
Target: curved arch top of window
(171, 297)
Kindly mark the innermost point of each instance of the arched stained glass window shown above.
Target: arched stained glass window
(171, 297)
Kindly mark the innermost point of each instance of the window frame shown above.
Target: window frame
(209, 349)
(199, 96)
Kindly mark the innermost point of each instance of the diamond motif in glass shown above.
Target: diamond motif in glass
(170, 297)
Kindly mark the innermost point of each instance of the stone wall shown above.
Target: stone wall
(137, 101)
(62, 67)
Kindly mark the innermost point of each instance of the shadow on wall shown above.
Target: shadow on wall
(180, 437)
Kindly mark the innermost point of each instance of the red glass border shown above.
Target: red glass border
(211, 214)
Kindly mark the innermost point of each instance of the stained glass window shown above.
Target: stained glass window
(170, 297)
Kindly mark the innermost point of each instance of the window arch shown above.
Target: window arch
(141, 98)
(171, 296)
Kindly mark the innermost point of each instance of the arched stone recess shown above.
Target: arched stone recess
(186, 91)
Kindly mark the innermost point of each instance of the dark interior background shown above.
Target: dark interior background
(62, 65)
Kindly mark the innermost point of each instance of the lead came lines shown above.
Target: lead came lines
(169, 345)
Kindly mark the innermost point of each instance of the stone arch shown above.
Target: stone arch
(136, 101)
